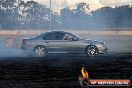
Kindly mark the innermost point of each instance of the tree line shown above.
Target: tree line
(32, 15)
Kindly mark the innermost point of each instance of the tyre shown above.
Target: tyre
(92, 50)
(40, 51)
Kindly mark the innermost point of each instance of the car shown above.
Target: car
(62, 42)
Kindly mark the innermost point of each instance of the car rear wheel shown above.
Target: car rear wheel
(92, 51)
(40, 51)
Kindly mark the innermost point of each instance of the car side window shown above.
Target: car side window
(59, 36)
(67, 37)
(49, 36)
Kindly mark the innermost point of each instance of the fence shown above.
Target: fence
(35, 32)
(12, 38)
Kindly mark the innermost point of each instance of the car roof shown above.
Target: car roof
(57, 32)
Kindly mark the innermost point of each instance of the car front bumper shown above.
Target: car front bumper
(103, 49)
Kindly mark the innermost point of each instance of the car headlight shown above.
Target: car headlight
(99, 45)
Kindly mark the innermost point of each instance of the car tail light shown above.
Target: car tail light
(23, 41)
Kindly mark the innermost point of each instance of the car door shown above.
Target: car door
(72, 44)
(53, 45)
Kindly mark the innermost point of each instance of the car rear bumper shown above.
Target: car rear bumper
(27, 48)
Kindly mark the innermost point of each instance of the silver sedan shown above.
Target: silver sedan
(62, 42)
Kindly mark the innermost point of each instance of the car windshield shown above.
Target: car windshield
(79, 37)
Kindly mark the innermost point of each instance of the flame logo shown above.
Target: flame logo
(84, 73)
(84, 79)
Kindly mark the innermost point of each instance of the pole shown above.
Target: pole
(50, 15)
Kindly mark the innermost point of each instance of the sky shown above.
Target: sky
(94, 4)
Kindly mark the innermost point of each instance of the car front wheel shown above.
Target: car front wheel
(92, 51)
(40, 51)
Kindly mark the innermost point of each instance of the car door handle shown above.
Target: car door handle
(47, 42)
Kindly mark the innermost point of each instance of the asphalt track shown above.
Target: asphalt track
(62, 70)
